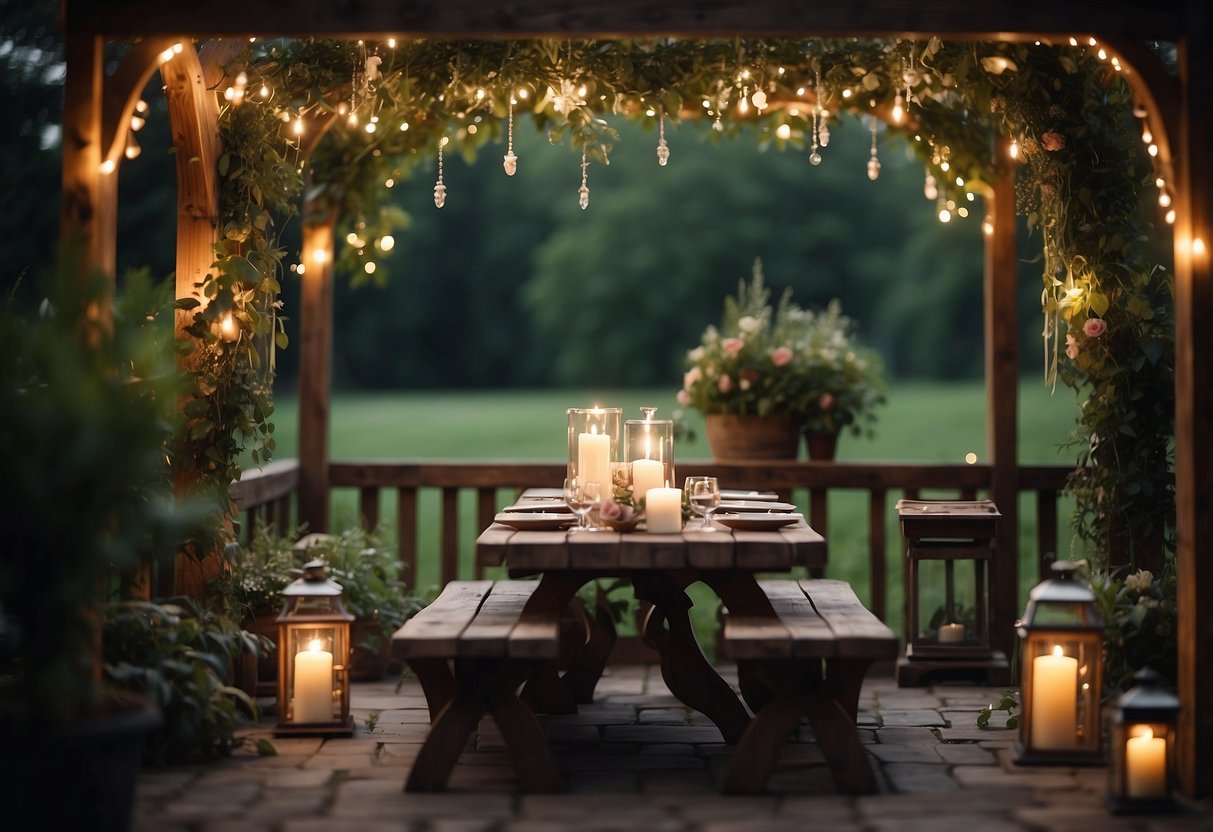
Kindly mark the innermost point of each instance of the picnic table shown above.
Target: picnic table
(802, 647)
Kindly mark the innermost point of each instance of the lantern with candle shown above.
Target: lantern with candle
(594, 434)
(1142, 740)
(1061, 647)
(649, 452)
(313, 657)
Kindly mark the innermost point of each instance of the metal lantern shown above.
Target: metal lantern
(1142, 738)
(313, 657)
(1061, 649)
(649, 452)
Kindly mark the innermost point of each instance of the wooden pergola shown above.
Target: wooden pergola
(96, 108)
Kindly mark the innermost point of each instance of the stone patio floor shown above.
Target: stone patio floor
(636, 759)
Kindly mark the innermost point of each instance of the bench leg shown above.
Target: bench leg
(485, 687)
(437, 683)
(586, 667)
(761, 745)
(832, 714)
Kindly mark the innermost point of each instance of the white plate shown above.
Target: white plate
(535, 520)
(756, 522)
(753, 505)
(549, 506)
(730, 496)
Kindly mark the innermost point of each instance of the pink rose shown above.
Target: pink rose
(1053, 141)
(683, 397)
(826, 401)
(732, 345)
(1094, 327)
(1071, 348)
(780, 356)
(725, 384)
(690, 377)
(612, 510)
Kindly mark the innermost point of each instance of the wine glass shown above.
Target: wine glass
(704, 494)
(582, 497)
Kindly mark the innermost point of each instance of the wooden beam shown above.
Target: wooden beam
(563, 18)
(1002, 396)
(315, 366)
(1194, 401)
(83, 208)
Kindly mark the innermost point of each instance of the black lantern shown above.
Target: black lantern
(1061, 649)
(313, 657)
(1142, 768)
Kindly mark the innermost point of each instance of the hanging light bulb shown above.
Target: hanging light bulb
(1170, 217)
(899, 109)
(760, 100)
(583, 193)
(743, 103)
(440, 186)
(1013, 149)
(930, 188)
(510, 162)
(132, 147)
(663, 149)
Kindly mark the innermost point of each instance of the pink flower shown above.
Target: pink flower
(1071, 348)
(1094, 327)
(683, 397)
(732, 345)
(611, 510)
(826, 401)
(690, 377)
(1053, 141)
(780, 356)
(725, 384)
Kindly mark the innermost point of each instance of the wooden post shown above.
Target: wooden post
(1194, 401)
(1002, 396)
(315, 366)
(84, 209)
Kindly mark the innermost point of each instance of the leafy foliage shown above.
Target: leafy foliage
(1141, 618)
(181, 656)
(1008, 703)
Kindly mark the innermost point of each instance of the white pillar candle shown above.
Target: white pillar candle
(663, 510)
(951, 633)
(1146, 765)
(646, 474)
(313, 684)
(1054, 701)
(594, 460)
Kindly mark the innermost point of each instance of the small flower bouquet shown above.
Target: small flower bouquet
(620, 514)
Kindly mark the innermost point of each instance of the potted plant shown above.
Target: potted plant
(87, 408)
(767, 373)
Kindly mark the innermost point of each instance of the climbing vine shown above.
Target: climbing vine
(386, 107)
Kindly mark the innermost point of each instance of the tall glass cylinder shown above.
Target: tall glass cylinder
(649, 452)
(594, 434)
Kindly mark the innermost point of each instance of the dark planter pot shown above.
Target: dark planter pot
(96, 758)
(821, 446)
(735, 438)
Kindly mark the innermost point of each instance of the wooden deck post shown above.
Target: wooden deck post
(1002, 396)
(1194, 400)
(87, 202)
(315, 366)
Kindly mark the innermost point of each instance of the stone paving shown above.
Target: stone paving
(637, 760)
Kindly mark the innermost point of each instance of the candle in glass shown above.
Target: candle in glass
(1146, 765)
(663, 510)
(951, 633)
(647, 474)
(594, 458)
(1054, 700)
(313, 684)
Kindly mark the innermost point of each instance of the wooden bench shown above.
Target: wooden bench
(472, 648)
(807, 660)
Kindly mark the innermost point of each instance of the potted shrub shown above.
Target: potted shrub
(87, 409)
(767, 373)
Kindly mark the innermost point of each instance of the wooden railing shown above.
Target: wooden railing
(265, 494)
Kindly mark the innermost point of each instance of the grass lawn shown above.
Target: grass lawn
(923, 422)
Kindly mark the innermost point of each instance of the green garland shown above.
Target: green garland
(388, 106)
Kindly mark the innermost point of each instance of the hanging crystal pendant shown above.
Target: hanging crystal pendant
(873, 161)
(440, 188)
(814, 156)
(583, 193)
(510, 161)
(663, 149)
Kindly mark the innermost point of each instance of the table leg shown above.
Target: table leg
(686, 671)
(545, 692)
(585, 668)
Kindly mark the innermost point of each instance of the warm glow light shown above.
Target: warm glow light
(389, 183)
(387, 242)
(945, 215)
(846, 93)
(107, 167)
(391, 43)
(743, 105)
(1198, 247)
(1159, 183)
(228, 328)
(1103, 56)
(1090, 42)
(369, 268)
(581, 91)
(1152, 150)
(1164, 199)
(943, 166)
(370, 128)
(297, 127)
(784, 131)
(987, 227)
(137, 123)
(971, 458)
(800, 91)
(523, 93)
(899, 110)
(962, 212)
(320, 255)
(1147, 136)
(969, 195)
(299, 269)
(140, 106)
(960, 182)
(265, 91)
(1171, 217)
(1013, 150)
(404, 125)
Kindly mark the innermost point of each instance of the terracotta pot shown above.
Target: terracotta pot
(822, 446)
(735, 438)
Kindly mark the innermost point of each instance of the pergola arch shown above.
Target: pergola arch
(1177, 110)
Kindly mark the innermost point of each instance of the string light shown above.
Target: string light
(1170, 217)
(945, 215)
(987, 227)
(784, 131)
(930, 188)
(108, 166)
(1013, 149)
(391, 43)
(760, 100)
(297, 127)
(132, 147)
(1198, 247)
(873, 162)
(899, 109)
(1152, 150)
(663, 148)
(1164, 199)
(387, 242)
(369, 268)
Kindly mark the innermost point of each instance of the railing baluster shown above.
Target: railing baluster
(1046, 529)
(450, 535)
(877, 554)
(406, 533)
(486, 510)
(368, 506)
(819, 517)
